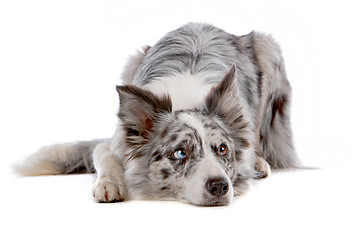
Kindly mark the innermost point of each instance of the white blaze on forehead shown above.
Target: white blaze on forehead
(194, 122)
(211, 165)
(186, 91)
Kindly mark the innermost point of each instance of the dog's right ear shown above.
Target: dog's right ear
(139, 110)
(224, 101)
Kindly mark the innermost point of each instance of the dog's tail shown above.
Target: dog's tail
(75, 157)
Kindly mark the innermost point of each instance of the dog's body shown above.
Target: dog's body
(199, 113)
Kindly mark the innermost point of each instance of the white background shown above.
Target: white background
(60, 62)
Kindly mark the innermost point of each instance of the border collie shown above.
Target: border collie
(201, 113)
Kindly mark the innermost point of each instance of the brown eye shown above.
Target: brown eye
(222, 150)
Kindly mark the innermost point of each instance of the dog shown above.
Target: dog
(202, 112)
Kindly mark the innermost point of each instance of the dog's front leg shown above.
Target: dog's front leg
(262, 168)
(109, 185)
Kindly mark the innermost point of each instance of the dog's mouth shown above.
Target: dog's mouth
(208, 192)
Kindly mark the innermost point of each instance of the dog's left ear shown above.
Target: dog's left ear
(139, 110)
(224, 101)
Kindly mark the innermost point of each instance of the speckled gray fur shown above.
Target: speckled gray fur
(244, 106)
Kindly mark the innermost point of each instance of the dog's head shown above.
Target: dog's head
(203, 156)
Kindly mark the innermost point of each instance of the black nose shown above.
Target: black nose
(217, 186)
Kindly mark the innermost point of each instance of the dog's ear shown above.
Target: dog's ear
(139, 110)
(224, 101)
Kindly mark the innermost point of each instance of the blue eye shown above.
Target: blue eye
(179, 154)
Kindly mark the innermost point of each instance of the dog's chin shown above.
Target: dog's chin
(210, 201)
(214, 201)
(207, 201)
(214, 204)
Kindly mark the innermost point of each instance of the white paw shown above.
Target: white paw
(107, 190)
(262, 168)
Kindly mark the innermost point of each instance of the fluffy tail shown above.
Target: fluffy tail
(75, 157)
